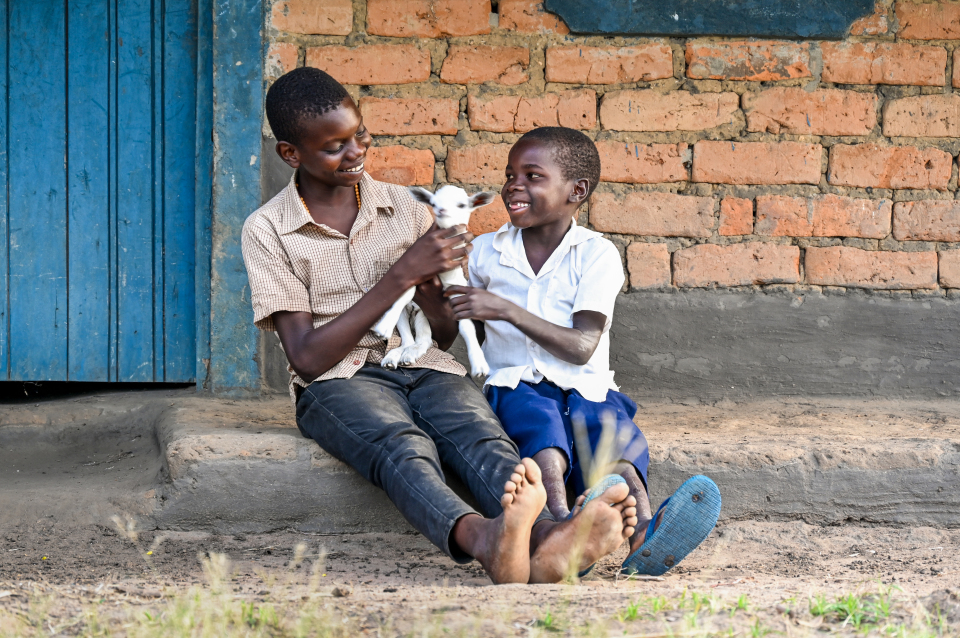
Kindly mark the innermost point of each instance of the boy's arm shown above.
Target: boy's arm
(313, 351)
(574, 345)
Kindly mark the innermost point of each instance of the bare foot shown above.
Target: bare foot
(628, 512)
(564, 549)
(502, 545)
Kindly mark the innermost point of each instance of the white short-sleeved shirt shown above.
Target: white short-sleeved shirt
(583, 273)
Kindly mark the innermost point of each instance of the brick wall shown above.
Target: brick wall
(726, 162)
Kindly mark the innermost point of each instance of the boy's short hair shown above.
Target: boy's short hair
(574, 152)
(300, 94)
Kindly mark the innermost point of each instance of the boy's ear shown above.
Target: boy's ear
(289, 154)
(481, 199)
(581, 188)
(421, 195)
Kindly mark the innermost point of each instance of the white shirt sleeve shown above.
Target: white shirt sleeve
(600, 281)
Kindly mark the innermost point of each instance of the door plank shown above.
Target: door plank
(37, 191)
(135, 184)
(88, 64)
(4, 211)
(180, 118)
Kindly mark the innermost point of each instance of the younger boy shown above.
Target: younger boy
(546, 289)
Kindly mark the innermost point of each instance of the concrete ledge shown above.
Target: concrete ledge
(243, 466)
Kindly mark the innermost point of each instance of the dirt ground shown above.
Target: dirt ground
(402, 581)
(59, 553)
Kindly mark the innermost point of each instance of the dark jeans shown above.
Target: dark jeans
(395, 427)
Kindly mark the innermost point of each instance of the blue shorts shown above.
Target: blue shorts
(538, 416)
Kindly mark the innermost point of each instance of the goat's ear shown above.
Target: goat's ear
(421, 195)
(481, 199)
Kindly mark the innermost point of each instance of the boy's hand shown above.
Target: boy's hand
(437, 251)
(476, 303)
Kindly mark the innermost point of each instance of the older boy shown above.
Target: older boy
(546, 288)
(326, 258)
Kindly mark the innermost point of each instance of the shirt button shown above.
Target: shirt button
(356, 362)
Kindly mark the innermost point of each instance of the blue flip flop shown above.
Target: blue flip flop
(688, 517)
(602, 486)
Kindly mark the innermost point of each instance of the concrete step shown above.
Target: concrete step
(242, 466)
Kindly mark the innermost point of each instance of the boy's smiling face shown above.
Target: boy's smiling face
(536, 192)
(332, 147)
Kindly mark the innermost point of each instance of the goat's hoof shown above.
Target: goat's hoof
(479, 371)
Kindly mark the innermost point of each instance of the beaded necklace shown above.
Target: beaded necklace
(356, 189)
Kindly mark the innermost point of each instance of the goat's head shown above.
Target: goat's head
(451, 204)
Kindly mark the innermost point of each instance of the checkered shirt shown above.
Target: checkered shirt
(297, 265)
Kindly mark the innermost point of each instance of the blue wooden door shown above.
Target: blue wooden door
(97, 174)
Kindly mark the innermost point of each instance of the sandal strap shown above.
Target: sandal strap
(653, 521)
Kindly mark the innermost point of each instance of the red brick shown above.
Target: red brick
(762, 60)
(799, 112)
(528, 16)
(609, 65)
(751, 263)
(511, 113)
(282, 58)
(875, 24)
(877, 269)
(927, 220)
(950, 268)
(400, 165)
(652, 214)
(427, 18)
(736, 216)
(424, 116)
(756, 162)
(480, 164)
(871, 165)
(648, 265)
(478, 64)
(650, 110)
(575, 109)
(781, 216)
(643, 163)
(823, 216)
(940, 21)
(489, 218)
(922, 116)
(330, 17)
(955, 83)
(578, 109)
(372, 63)
(883, 63)
(497, 113)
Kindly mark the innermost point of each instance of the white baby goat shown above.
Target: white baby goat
(451, 206)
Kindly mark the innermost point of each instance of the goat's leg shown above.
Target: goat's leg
(384, 327)
(478, 362)
(394, 357)
(424, 336)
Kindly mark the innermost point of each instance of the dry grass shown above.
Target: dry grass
(295, 605)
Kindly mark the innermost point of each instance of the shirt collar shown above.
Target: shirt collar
(373, 201)
(509, 243)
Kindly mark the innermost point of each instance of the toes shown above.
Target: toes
(510, 486)
(628, 532)
(615, 494)
(630, 512)
(532, 470)
(506, 500)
